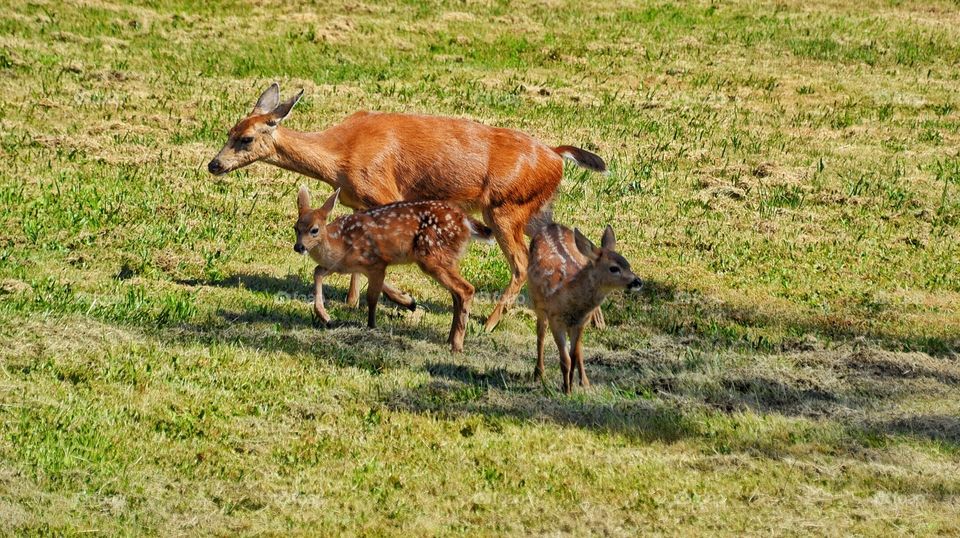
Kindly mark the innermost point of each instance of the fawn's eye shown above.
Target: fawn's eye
(614, 269)
(246, 140)
(315, 230)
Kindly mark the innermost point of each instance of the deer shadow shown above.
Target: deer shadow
(671, 310)
(292, 286)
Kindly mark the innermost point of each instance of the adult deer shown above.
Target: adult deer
(379, 158)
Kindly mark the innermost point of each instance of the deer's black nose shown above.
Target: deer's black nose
(298, 248)
(215, 167)
(635, 285)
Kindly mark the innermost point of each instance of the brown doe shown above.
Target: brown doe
(569, 278)
(377, 159)
(434, 235)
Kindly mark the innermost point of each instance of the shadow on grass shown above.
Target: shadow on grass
(645, 392)
(933, 427)
(636, 419)
(670, 310)
(292, 286)
(289, 285)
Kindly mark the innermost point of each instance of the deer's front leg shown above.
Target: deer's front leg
(319, 312)
(541, 341)
(374, 287)
(576, 337)
(353, 292)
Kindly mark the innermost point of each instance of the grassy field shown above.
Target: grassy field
(785, 177)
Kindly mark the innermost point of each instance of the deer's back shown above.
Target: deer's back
(554, 260)
(403, 232)
(419, 157)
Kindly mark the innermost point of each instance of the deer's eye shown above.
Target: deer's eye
(246, 140)
(614, 269)
(315, 230)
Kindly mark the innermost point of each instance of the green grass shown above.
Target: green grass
(785, 177)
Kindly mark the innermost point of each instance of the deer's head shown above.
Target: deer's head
(610, 269)
(252, 138)
(311, 226)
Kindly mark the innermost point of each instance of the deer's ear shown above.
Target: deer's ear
(281, 112)
(303, 199)
(330, 203)
(608, 241)
(268, 101)
(584, 245)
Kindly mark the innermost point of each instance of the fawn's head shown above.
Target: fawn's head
(611, 270)
(251, 139)
(311, 223)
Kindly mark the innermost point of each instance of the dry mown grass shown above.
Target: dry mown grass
(785, 178)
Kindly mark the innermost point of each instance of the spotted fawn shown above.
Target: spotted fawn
(434, 235)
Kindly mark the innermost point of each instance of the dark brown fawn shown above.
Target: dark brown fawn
(434, 235)
(377, 159)
(569, 278)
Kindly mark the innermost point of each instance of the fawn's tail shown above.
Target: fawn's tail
(478, 230)
(583, 158)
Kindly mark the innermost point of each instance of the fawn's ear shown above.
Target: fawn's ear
(330, 203)
(584, 245)
(608, 241)
(303, 199)
(282, 110)
(268, 101)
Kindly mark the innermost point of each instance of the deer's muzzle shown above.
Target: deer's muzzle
(215, 167)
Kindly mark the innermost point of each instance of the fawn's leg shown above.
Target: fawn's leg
(508, 222)
(353, 292)
(596, 319)
(541, 343)
(318, 309)
(576, 345)
(560, 337)
(403, 299)
(448, 275)
(374, 287)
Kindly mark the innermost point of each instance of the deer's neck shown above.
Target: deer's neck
(332, 252)
(305, 153)
(584, 291)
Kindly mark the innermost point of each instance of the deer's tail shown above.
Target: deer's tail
(478, 230)
(582, 157)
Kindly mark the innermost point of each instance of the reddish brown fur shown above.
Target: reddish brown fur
(376, 159)
(434, 235)
(569, 278)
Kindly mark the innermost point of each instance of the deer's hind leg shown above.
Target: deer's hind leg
(508, 222)
(448, 275)
(401, 298)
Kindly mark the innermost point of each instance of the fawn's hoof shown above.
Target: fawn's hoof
(321, 323)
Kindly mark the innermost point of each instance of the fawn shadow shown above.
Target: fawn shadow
(458, 391)
(709, 323)
(934, 427)
(290, 284)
